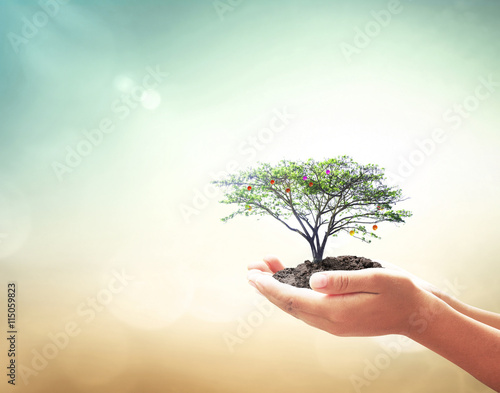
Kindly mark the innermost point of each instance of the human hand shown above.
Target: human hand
(368, 302)
(271, 264)
(373, 302)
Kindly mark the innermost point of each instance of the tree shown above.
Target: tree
(325, 198)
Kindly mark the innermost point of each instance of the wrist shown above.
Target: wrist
(453, 302)
(427, 311)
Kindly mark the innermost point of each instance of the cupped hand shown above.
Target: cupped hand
(368, 302)
(271, 264)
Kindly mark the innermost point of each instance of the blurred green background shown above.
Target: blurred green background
(116, 115)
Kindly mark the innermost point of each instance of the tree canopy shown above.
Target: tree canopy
(324, 197)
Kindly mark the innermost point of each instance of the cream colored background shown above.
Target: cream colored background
(120, 208)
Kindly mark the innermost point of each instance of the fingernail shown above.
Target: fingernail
(318, 280)
(252, 284)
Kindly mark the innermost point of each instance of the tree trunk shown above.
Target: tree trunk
(317, 252)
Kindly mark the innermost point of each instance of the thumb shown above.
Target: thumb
(341, 281)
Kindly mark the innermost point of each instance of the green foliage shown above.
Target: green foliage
(349, 197)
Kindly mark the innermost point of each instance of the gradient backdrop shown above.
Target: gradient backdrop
(116, 115)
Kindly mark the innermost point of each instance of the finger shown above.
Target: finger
(337, 328)
(289, 298)
(326, 312)
(260, 265)
(274, 263)
(255, 289)
(259, 272)
(343, 282)
(253, 272)
(314, 320)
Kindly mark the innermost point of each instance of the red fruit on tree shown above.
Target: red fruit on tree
(249, 188)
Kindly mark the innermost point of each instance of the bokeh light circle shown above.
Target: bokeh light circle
(123, 83)
(151, 99)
